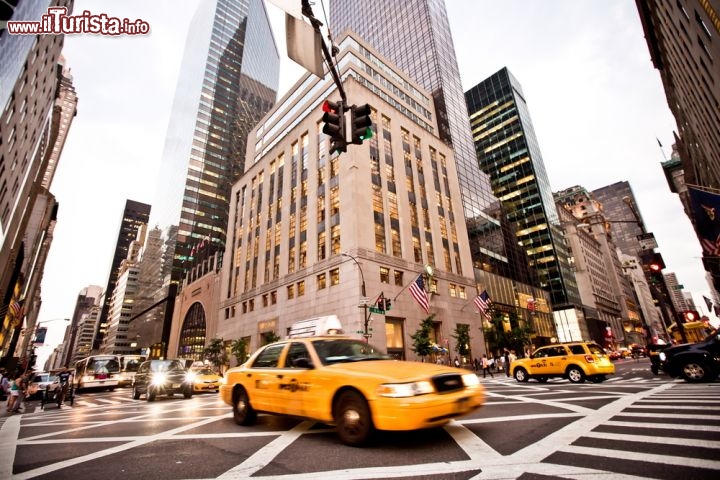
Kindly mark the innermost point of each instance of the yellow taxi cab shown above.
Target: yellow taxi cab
(575, 361)
(348, 383)
(205, 380)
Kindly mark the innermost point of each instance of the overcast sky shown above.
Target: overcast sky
(596, 102)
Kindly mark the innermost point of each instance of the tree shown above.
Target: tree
(270, 337)
(238, 348)
(514, 338)
(215, 353)
(422, 344)
(462, 339)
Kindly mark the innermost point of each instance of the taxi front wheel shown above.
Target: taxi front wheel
(521, 375)
(243, 413)
(352, 419)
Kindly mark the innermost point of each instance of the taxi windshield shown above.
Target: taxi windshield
(344, 350)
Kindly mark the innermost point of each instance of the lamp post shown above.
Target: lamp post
(364, 300)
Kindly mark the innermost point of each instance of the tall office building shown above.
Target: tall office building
(620, 208)
(313, 231)
(81, 331)
(228, 81)
(508, 152)
(415, 35)
(29, 132)
(135, 215)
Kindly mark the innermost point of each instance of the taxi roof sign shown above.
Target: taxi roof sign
(312, 327)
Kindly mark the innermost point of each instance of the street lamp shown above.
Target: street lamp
(364, 300)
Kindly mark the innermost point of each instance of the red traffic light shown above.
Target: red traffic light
(691, 316)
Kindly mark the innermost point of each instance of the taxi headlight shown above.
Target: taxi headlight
(399, 390)
(663, 357)
(158, 379)
(470, 379)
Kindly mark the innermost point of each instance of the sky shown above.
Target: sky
(596, 102)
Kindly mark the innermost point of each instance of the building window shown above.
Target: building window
(335, 276)
(398, 278)
(251, 305)
(461, 293)
(453, 290)
(321, 282)
(273, 297)
(384, 275)
(290, 292)
(265, 300)
(301, 288)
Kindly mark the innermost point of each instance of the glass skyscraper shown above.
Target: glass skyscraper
(228, 81)
(415, 35)
(508, 152)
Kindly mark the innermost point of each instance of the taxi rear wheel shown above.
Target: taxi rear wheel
(352, 419)
(243, 413)
(575, 375)
(521, 375)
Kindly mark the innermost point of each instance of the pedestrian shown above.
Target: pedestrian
(506, 361)
(491, 362)
(457, 362)
(476, 365)
(22, 386)
(14, 394)
(512, 357)
(4, 385)
(486, 366)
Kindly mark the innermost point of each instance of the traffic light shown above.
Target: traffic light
(388, 304)
(691, 316)
(334, 119)
(360, 123)
(655, 267)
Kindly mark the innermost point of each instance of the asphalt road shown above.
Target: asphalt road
(635, 425)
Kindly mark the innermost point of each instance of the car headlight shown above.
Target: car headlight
(398, 390)
(470, 379)
(663, 357)
(158, 379)
(190, 377)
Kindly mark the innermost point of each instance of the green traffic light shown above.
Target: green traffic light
(368, 134)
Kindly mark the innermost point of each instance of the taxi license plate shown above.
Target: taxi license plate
(175, 385)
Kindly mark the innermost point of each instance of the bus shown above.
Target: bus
(128, 366)
(97, 371)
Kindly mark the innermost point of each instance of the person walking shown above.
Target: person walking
(486, 366)
(506, 361)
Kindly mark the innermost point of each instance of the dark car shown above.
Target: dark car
(695, 362)
(161, 377)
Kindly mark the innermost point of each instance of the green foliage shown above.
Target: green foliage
(215, 353)
(515, 339)
(270, 337)
(422, 344)
(239, 350)
(462, 339)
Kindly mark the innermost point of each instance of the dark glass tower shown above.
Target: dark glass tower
(508, 153)
(135, 215)
(228, 81)
(415, 35)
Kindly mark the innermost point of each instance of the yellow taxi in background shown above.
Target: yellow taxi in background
(348, 383)
(205, 380)
(575, 361)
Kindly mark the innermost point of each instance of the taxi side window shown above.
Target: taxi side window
(577, 349)
(297, 356)
(269, 357)
(542, 353)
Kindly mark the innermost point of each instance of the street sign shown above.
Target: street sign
(377, 310)
(364, 301)
(678, 287)
(647, 241)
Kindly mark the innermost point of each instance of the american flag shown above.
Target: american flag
(483, 303)
(417, 290)
(706, 210)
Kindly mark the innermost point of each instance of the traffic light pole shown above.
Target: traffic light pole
(316, 24)
(366, 313)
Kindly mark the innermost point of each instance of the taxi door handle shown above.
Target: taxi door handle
(280, 376)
